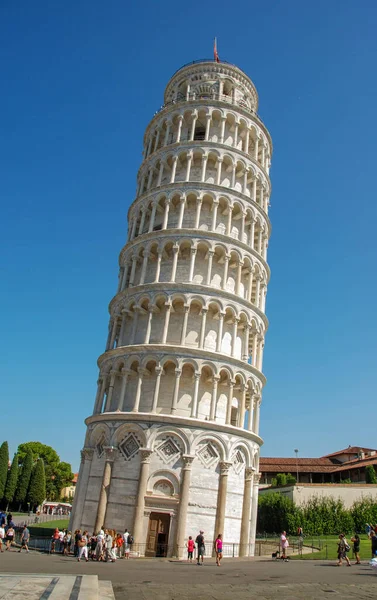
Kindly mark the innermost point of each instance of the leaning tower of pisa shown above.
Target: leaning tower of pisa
(173, 443)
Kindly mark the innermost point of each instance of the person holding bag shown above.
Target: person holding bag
(83, 547)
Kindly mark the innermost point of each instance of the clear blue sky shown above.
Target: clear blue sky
(80, 82)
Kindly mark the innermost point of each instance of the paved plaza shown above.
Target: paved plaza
(155, 579)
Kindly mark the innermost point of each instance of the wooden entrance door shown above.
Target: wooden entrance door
(158, 534)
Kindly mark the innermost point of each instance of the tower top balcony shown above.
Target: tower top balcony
(207, 79)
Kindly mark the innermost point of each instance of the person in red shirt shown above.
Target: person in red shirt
(190, 548)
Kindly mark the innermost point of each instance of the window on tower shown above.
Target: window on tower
(200, 133)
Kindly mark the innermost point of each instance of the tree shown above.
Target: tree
(4, 461)
(24, 478)
(58, 474)
(11, 484)
(370, 474)
(291, 479)
(281, 479)
(37, 488)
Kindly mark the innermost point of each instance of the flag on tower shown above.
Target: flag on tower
(215, 53)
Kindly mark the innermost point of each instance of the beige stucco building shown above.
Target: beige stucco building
(173, 443)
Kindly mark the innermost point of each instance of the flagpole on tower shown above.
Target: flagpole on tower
(215, 53)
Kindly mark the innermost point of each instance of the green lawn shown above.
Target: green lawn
(329, 548)
(59, 523)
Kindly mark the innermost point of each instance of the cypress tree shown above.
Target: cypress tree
(37, 488)
(4, 460)
(11, 484)
(24, 479)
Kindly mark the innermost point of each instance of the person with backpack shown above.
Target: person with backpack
(200, 548)
(343, 548)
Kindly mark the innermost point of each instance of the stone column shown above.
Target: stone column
(141, 373)
(188, 169)
(110, 455)
(180, 535)
(142, 221)
(194, 408)
(250, 285)
(175, 261)
(98, 395)
(122, 326)
(153, 216)
(229, 404)
(203, 327)
(247, 136)
(166, 323)
(220, 332)
(251, 413)
(145, 456)
(124, 277)
(239, 277)
(241, 414)
(178, 374)
(101, 395)
(257, 290)
(168, 125)
(158, 371)
(122, 393)
(184, 326)
(160, 173)
(208, 125)
(151, 310)
(144, 267)
(182, 202)
(234, 336)
(134, 325)
(226, 267)
(209, 271)
(254, 511)
(222, 130)
(180, 120)
(192, 264)
(221, 497)
(256, 415)
(166, 213)
(199, 202)
(204, 167)
(254, 351)
(251, 234)
(212, 414)
(245, 519)
(193, 125)
(229, 223)
(245, 353)
(215, 205)
(82, 485)
(256, 148)
(158, 266)
(133, 271)
(113, 374)
(235, 141)
(218, 174)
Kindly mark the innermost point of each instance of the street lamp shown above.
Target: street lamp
(296, 452)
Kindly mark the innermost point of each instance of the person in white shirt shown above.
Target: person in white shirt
(108, 547)
(2, 536)
(284, 545)
(99, 546)
(126, 546)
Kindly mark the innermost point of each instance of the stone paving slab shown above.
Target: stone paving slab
(236, 579)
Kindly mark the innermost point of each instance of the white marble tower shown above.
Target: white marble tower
(173, 443)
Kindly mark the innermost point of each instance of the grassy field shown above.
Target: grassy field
(329, 548)
(59, 523)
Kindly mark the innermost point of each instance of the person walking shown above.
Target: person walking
(200, 548)
(356, 548)
(83, 547)
(108, 547)
(55, 540)
(100, 544)
(284, 543)
(10, 535)
(25, 538)
(119, 545)
(67, 542)
(219, 549)
(2, 536)
(342, 550)
(373, 539)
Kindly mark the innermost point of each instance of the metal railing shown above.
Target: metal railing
(210, 97)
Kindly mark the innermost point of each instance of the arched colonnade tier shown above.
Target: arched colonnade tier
(203, 211)
(212, 166)
(194, 261)
(209, 125)
(102, 434)
(190, 321)
(181, 386)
